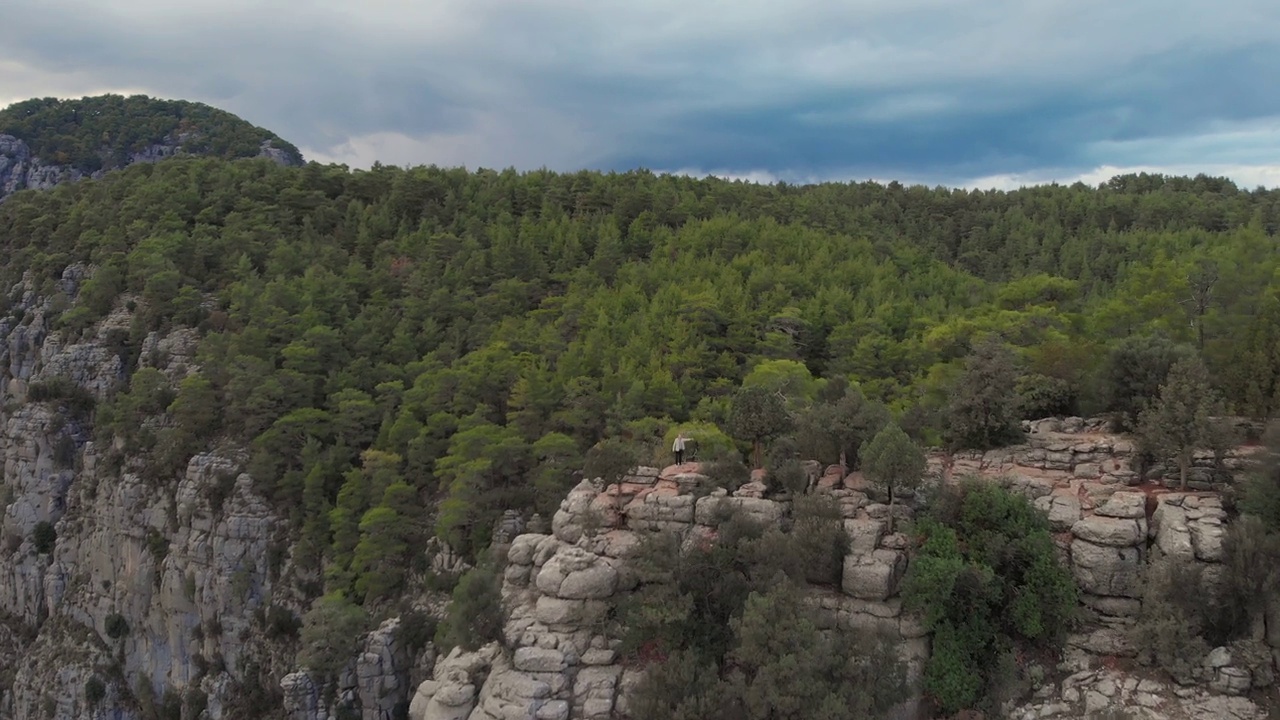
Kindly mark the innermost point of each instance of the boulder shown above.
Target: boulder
(873, 576)
(1110, 531)
(534, 659)
(864, 534)
(1124, 504)
(1063, 510)
(1107, 570)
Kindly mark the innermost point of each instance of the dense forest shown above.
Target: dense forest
(96, 133)
(398, 340)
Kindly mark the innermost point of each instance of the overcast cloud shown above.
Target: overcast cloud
(963, 92)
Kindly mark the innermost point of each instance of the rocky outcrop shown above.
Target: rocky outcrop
(559, 588)
(20, 169)
(1094, 693)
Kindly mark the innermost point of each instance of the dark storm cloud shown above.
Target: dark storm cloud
(931, 90)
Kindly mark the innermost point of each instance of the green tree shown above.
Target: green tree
(986, 581)
(1181, 419)
(983, 408)
(1136, 369)
(475, 615)
(331, 634)
(893, 463)
(758, 414)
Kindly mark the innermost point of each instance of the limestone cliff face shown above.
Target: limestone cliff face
(20, 169)
(124, 597)
(118, 591)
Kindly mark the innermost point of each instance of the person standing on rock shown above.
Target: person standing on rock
(678, 448)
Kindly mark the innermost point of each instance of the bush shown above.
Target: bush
(1185, 611)
(1168, 632)
(1041, 396)
(62, 390)
(94, 691)
(417, 628)
(475, 614)
(776, 663)
(818, 537)
(331, 634)
(116, 626)
(986, 580)
(610, 459)
(44, 536)
(727, 474)
(282, 623)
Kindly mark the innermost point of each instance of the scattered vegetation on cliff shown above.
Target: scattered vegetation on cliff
(733, 637)
(95, 133)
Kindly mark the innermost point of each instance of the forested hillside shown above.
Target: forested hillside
(393, 341)
(102, 132)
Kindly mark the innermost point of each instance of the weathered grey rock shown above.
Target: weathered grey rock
(1124, 504)
(1063, 510)
(532, 659)
(1110, 531)
(1206, 537)
(657, 512)
(873, 576)
(1105, 570)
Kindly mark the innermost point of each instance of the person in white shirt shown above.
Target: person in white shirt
(678, 448)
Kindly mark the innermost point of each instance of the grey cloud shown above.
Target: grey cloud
(920, 88)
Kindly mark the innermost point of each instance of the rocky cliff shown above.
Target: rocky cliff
(560, 661)
(124, 597)
(20, 169)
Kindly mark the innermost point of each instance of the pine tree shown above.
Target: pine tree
(984, 400)
(893, 463)
(1181, 419)
(758, 414)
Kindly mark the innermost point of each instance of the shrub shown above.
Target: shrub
(610, 459)
(282, 623)
(1041, 396)
(417, 628)
(94, 690)
(818, 538)
(157, 545)
(44, 536)
(1168, 632)
(116, 626)
(986, 579)
(475, 614)
(727, 474)
(331, 633)
(786, 475)
(62, 390)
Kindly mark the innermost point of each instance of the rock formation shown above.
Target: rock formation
(559, 588)
(20, 169)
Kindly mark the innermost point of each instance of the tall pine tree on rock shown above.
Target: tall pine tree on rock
(893, 463)
(1181, 419)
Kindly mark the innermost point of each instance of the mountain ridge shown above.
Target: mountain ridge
(45, 142)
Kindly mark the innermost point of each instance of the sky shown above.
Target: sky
(972, 93)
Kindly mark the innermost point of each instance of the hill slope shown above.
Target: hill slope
(259, 384)
(47, 141)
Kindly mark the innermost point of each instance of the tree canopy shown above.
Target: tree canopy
(470, 335)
